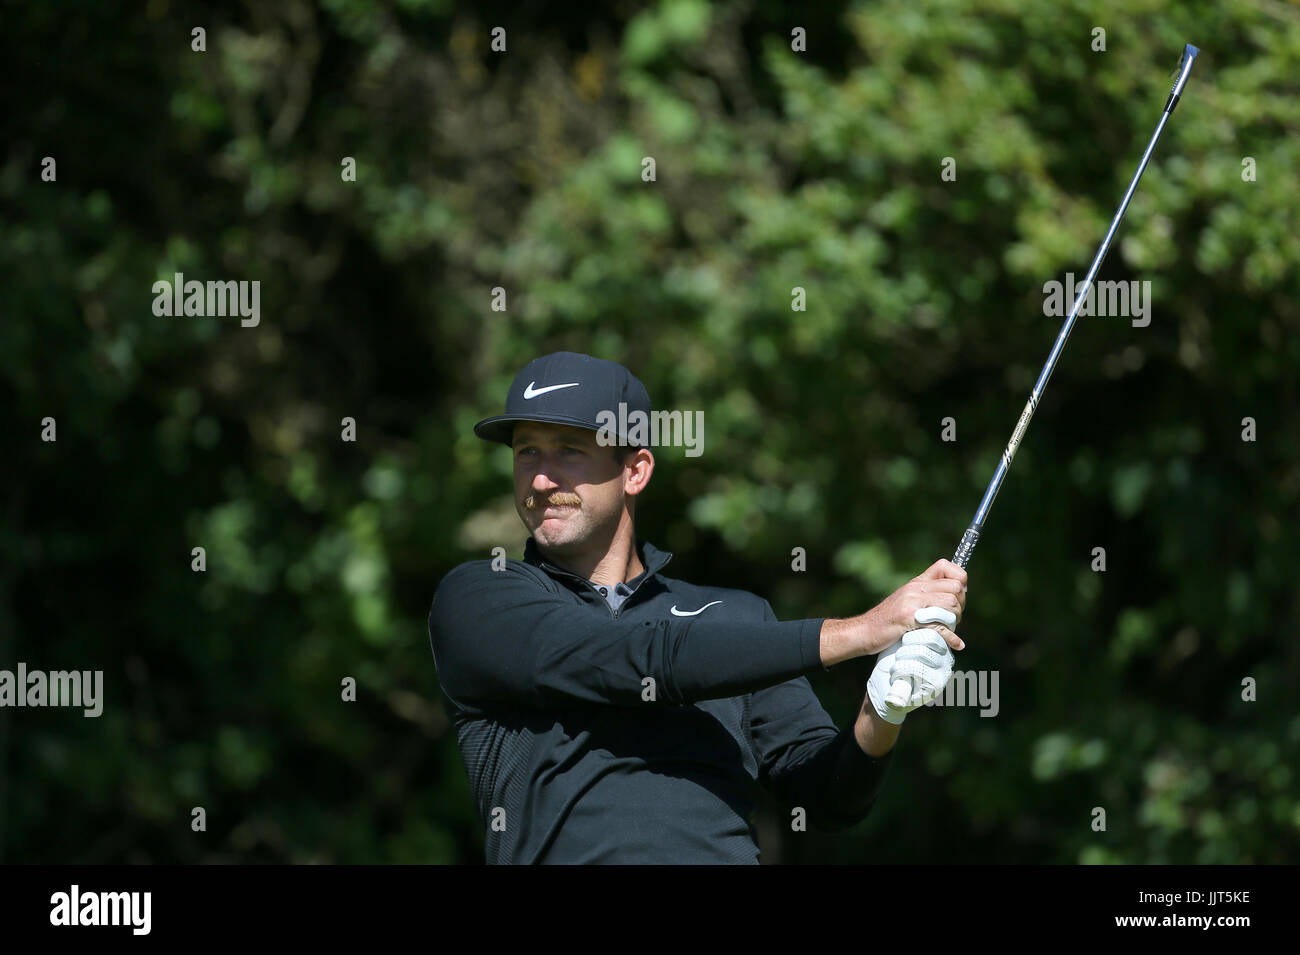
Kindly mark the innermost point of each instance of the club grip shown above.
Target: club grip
(967, 546)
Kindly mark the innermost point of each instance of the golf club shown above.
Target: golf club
(901, 689)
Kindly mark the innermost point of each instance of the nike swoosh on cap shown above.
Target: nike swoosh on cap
(691, 613)
(532, 392)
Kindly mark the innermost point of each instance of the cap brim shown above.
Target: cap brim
(502, 427)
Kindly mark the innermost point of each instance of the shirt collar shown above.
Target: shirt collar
(652, 558)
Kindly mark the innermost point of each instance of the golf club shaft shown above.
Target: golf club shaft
(902, 688)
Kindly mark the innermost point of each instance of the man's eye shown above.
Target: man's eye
(574, 450)
(523, 451)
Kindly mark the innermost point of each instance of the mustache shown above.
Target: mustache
(536, 501)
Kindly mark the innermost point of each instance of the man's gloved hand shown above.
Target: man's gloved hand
(921, 656)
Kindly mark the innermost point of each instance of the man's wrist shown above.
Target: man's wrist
(875, 736)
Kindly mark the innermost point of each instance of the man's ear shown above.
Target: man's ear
(637, 471)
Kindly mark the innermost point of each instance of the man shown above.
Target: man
(607, 713)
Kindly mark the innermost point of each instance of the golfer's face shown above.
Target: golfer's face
(566, 485)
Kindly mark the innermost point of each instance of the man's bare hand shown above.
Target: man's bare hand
(942, 584)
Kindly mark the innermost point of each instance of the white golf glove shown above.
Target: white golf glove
(921, 657)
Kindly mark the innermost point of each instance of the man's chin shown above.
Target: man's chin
(554, 532)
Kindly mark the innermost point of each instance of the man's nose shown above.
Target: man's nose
(543, 482)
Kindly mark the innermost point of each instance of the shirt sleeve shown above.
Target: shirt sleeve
(805, 761)
(501, 636)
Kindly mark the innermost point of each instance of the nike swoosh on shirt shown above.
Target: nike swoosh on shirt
(531, 392)
(691, 613)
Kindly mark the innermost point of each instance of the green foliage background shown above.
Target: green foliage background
(774, 170)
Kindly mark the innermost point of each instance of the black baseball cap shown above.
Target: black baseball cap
(566, 387)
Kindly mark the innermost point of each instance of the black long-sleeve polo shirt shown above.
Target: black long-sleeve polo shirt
(635, 735)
